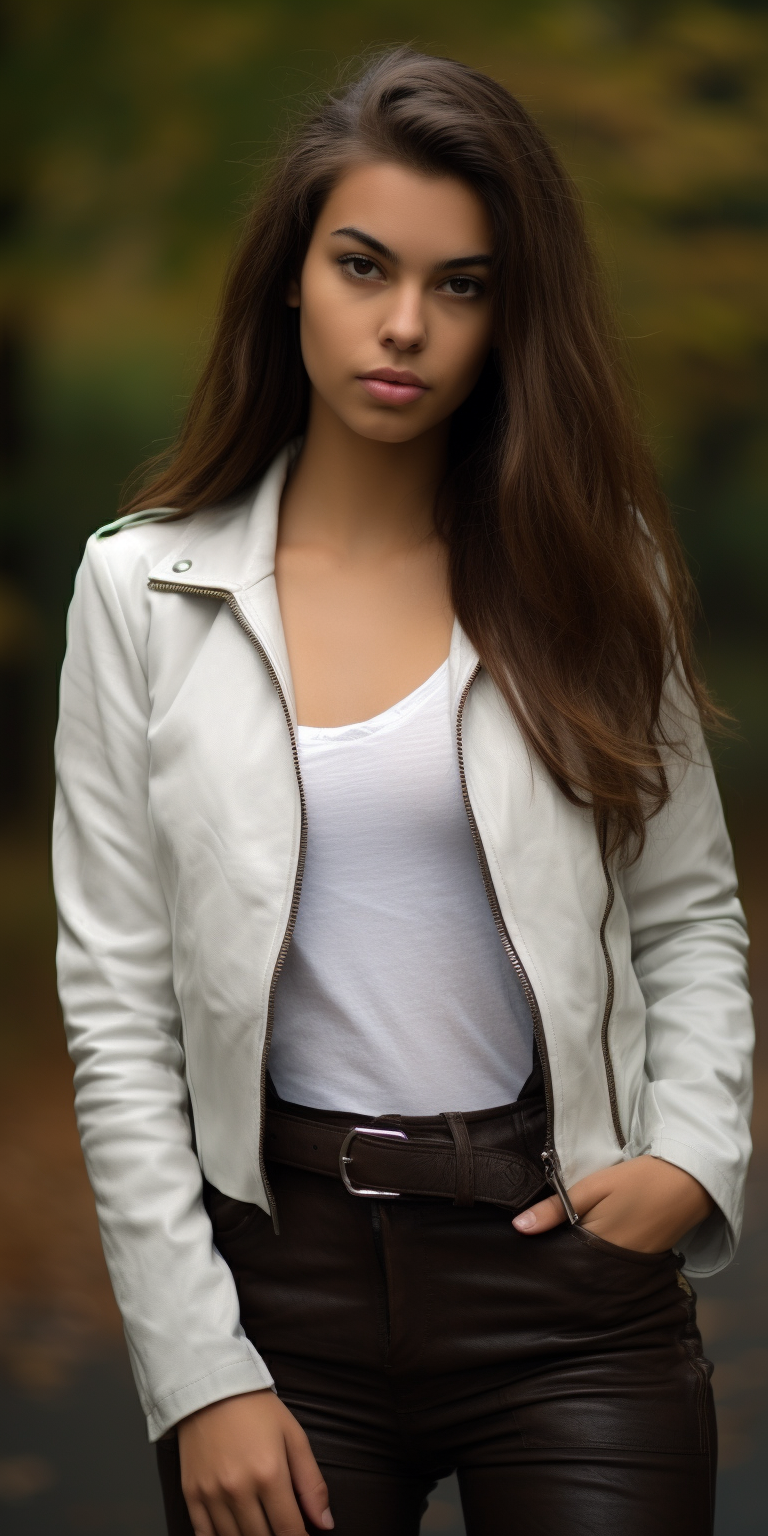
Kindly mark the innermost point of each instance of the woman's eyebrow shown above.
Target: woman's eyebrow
(482, 260)
(450, 265)
(375, 245)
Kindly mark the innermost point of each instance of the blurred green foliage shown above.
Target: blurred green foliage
(133, 133)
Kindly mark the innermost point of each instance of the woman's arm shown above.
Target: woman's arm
(176, 1294)
(240, 1446)
(689, 954)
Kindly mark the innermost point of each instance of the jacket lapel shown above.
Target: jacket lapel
(229, 552)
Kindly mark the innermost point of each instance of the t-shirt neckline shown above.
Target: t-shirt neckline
(309, 735)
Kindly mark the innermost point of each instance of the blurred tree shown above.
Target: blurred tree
(134, 132)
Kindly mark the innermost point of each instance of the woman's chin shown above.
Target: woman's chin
(391, 425)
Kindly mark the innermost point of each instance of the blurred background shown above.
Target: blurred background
(133, 136)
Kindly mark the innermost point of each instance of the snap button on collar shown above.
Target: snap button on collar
(182, 565)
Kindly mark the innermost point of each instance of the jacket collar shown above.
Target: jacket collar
(230, 548)
(229, 552)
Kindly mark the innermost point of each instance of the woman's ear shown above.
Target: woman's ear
(293, 294)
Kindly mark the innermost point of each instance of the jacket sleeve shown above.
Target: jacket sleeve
(176, 1295)
(689, 948)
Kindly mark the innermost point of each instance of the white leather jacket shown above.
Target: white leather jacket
(178, 851)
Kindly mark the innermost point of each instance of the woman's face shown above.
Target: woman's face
(395, 300)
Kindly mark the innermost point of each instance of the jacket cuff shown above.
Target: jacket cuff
(712, 1244)
(247, 1375)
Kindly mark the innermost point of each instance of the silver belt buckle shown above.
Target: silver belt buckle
(366, 1130)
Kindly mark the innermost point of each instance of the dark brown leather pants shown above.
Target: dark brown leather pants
(561, 1376)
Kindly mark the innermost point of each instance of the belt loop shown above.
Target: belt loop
(465, 1170)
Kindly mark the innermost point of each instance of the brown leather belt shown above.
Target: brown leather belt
(382, 1162)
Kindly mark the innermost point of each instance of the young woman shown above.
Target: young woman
(401, 959)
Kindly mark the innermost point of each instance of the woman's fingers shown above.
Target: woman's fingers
(245, 1509)
(584, 1196)
(235, 1468)
(307, 1479)
(217, 1518)
(275, 1511)
(282, 1511)
(258, 1506)
(539, 1218)
(202, 1524)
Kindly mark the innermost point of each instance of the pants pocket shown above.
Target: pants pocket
(614, 1250)
(230, 1218)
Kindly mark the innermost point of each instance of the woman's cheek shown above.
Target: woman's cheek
(330, 339)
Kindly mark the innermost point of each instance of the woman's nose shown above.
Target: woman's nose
(404, 326)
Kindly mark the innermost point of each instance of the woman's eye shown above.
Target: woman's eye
(360, 266)
(462, 287)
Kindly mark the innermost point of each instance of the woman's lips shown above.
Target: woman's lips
(393, 388)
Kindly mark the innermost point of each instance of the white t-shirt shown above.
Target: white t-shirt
(396, 996)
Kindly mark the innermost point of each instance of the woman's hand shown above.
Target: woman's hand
(245, 1461)
(645, 1204)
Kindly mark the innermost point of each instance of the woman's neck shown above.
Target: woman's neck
(362, 578)
(359, 496)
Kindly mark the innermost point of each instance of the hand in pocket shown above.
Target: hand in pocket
(645, 1204)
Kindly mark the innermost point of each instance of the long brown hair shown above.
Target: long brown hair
(565, 569)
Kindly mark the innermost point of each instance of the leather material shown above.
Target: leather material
(177, 850)
(563, 1377)
(469, 1183)
(461, 1164)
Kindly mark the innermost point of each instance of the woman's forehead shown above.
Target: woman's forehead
(417, 217)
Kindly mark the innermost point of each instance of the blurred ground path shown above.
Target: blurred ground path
(73, 1453)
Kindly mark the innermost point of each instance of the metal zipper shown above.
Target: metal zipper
(608, 1063)
(549, 1157)
(222, 595)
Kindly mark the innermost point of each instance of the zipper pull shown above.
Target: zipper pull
(554, 1175)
